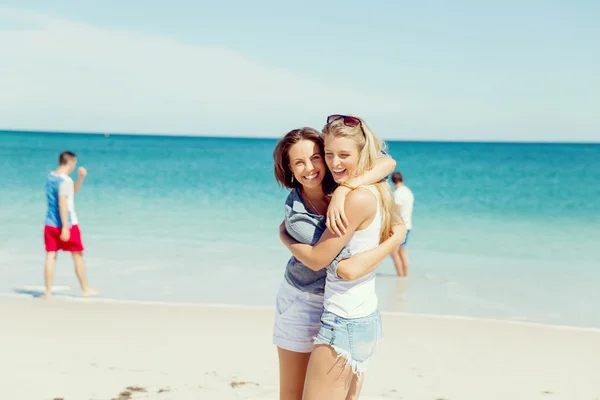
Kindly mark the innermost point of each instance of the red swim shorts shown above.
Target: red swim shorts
(53, 242)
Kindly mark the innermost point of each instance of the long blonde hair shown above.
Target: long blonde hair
(370, 146)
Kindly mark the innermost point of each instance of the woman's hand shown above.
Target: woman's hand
(336, 218)
(399, 232)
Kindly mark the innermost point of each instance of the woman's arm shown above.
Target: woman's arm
(360, 204)
(363, 263)
(384, 166)
(336, 218)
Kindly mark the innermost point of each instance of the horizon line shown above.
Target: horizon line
(198, 136)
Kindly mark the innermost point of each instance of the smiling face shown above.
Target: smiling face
(306, 163)
(341, 155)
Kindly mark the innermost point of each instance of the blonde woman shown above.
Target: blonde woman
(350, 324)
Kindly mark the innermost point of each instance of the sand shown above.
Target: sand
(90, 349)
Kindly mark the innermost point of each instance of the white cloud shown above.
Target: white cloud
(63, 75)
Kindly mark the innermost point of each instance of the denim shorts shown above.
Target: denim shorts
(297, 319)
(354, 339)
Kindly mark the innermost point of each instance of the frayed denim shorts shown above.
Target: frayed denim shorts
(354, 339)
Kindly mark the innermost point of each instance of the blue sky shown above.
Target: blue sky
(432, 70)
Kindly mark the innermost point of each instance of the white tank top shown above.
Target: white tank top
(356, 299)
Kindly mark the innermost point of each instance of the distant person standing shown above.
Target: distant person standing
(405, 199)
(61, 231)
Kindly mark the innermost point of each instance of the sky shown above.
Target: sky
(428, 70)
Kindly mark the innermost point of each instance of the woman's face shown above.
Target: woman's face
(307, 164)
(341, 155)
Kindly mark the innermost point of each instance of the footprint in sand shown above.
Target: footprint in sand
(129, 391)
(235, 384)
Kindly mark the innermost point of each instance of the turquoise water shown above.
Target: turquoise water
(500, 230)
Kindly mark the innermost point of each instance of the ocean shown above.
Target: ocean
(500, 230)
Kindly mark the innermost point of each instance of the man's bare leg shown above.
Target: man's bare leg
(404, 257)
(81, 275)
(49, 273)
(397, 261)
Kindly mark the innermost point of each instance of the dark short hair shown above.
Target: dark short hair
(397, 177)
(65, 157)
(281, 158)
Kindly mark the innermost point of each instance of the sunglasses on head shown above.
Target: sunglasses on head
(348, 120)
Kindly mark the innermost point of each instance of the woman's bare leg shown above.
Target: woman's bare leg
(292, 372)
(355, 387)
(327, 378)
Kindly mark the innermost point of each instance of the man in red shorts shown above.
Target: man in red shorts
(61, 231)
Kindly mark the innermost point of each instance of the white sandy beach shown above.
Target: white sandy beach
(90, 349)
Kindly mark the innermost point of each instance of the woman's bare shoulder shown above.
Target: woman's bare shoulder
(361, 201)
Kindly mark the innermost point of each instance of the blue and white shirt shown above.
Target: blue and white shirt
(60, 185)
(307, 228)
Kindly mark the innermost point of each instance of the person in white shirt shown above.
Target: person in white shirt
(405, 200)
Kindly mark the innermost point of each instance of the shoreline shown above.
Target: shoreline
(151, 303)
(175, 135)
